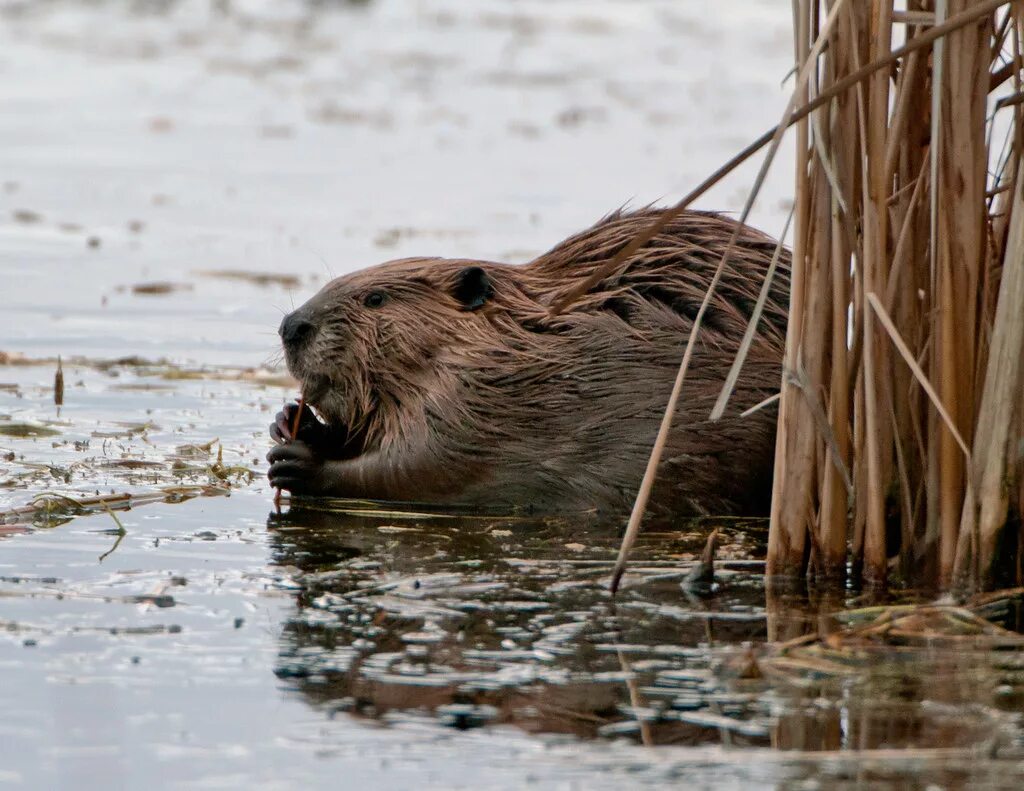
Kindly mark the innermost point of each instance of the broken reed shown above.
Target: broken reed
(907, 310)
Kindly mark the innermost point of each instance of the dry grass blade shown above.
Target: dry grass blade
(748, 335)
(761, 405)
(908, 358)
(640, 504)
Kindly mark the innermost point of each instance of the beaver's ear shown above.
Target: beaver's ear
(472, 287)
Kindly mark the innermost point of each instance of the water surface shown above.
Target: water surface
(176, 175)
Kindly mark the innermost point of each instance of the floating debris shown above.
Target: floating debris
(867, 635)
(54, 507)
(27, 430)
(26, 216)
(160, 288)
(256, 278)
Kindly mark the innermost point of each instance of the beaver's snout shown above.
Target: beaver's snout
(296, 328)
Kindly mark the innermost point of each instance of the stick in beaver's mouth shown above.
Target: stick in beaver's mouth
(294, 433)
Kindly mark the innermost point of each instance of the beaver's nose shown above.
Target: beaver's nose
(295, 328)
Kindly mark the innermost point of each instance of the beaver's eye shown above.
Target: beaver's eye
(374, 299)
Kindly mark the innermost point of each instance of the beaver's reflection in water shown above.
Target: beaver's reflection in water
(482, 618)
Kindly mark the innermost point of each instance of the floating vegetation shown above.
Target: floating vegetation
(121, 533)
(229, 472)
(26, 216)
(126, 428)
(132, 464)
(48, 509)
(142, 387)
(192, 451)
(27, 430)
(892, 634)
(143, 459)
(160, 288)
(158, 368)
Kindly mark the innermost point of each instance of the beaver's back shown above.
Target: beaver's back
(605, 367)
(673, 270)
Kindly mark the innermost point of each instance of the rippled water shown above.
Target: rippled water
(174, 176)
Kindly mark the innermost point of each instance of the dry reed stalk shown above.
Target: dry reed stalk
(832, 514)
(792, 452)
(748, 337)
(996, 447)
(860, 181)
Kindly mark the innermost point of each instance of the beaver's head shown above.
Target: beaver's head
(377, 340)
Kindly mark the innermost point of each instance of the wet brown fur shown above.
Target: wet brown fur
(505, 404)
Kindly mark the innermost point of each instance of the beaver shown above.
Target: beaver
(451, 381)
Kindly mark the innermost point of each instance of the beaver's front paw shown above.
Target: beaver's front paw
(296, 467)
(329, 442)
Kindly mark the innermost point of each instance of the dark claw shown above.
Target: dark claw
(294, 467)
(280, 431)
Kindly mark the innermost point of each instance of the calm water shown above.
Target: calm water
(176, 175)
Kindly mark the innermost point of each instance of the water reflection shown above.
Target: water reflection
(507, 619)
(488, 619)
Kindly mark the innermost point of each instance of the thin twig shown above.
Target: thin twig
(294, 432)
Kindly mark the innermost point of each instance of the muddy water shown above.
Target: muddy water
(174, 176)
